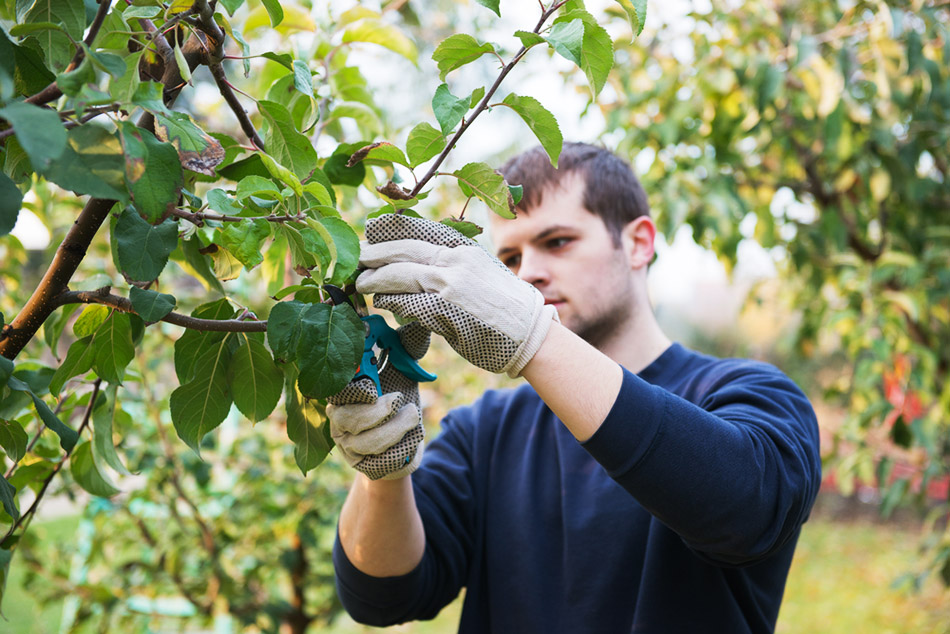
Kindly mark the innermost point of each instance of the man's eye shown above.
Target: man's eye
(512, 261)
(557, 243)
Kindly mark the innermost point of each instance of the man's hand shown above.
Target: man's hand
(429, 272)
(381, 435)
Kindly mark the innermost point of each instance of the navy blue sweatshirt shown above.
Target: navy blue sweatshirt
(680, 514)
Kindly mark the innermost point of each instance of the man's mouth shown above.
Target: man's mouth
(555, 301)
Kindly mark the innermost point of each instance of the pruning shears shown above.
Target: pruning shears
(381, 338)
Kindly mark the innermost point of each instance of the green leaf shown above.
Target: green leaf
(141, 12)
(274, 11)
(86, 473)
(457, 50)
(90, 319)
(477, 95)
(232, 5)
(283, 329)
(289, 147)
(257, 186)
(54, 326)
(106, 62)
(424, 143)
(448, 108)
(337, 171)
(13, 439)
(529, 38)
(92, 164)
(244, 240)
(78, 361)
(541, 122)
(57, 46)
(255, 380)
(193, 344)
(226, 266)
(152, 172)
(307, 427)
(329, 349)
(40, 132)
(151, 305)
(7, 494)
(197, 150)
(636, 11)
(567, 39)
(125, 88)
(143, 249)
(303, 80)
(73, 82)
(491, 4)
(376, 31)
(202, 404)
(366, 117)
(7, 72)
(113, 347)
(196, 263)
(346, 245)
(219, 201)
(282, 174)
(489, 186)
(597, 52)
(67, 436)
(31, 75)
(382, 151)
(466, 228)
(10, 201)
(103, 425)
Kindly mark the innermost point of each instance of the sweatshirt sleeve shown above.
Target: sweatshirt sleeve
(734, 474)
(443, 488)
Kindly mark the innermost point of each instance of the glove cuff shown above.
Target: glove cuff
(543, 319)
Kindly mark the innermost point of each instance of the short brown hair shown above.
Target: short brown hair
(611, 189)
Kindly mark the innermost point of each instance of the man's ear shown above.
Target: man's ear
(636, 239)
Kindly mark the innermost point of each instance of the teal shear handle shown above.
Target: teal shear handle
(383, 337)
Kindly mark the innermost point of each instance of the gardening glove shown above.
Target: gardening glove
(381, 435)
(427, 271)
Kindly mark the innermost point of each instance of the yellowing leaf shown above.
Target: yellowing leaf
(375, 31)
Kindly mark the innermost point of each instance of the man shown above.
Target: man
(631, 486)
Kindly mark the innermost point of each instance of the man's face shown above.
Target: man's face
(569, 255)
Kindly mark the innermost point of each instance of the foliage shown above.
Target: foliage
(822, 132)
(211, 231)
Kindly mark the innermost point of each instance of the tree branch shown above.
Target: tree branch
(221, 80)
(198, 218)
(433, 170)
(102, 296)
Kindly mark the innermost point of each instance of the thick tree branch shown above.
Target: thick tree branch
(68, 256)
(433, 170)
(102, 296)
(71, 252)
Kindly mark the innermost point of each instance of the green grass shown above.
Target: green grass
(840, 583)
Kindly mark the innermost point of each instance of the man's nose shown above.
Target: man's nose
(533, 269)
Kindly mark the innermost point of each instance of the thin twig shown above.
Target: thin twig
(198, 218)
(59, 465)
(433, 170)
(102, 296)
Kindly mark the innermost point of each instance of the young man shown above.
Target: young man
(631, 486)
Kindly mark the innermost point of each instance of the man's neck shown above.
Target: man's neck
(638, 344)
